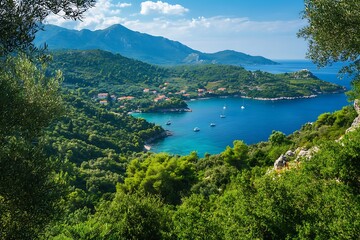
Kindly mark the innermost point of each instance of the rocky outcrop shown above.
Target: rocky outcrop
(306, 153)
(289, 153)
(299, 154)
(280, 162)
(356, 122)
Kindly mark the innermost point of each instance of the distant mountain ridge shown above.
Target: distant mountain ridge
(140, 46)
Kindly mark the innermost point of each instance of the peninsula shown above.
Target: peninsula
(124, 84)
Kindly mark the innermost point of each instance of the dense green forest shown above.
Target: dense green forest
(153, 88)
(233, 195)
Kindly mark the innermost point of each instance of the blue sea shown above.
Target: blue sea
(252, 124)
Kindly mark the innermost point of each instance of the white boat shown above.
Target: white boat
(212, 124)
(222, 115)
(196, 129)
(168, 122)
(242, 107)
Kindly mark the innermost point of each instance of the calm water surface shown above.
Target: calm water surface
(252, 124)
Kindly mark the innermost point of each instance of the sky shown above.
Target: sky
(257, 27)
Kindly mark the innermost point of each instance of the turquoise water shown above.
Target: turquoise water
(252, 124)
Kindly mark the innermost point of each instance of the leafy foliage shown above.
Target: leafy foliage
(20, 20)
(225, 197)
(29, 190)
(29, 99)
(328, 19)
(95, 145)
(170, 177)
(333, 35)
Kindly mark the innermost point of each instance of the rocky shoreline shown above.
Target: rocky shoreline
(270, 99)
(281, 98)
(180, 110)
(173, 110)
(147, 145)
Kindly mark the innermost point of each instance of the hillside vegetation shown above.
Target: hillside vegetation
(232, 195)
(150, 87)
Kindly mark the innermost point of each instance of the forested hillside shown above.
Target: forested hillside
(236, 194)
(150, 87)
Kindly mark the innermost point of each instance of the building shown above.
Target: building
(102, 95)
(103, 102)
(160, 98)
(126, 98)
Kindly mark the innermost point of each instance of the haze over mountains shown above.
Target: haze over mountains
(140, 46)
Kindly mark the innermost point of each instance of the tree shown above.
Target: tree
(333, 34)
(236, 156)
(170, 177)
(194, 219)
(333, 31)
(127, 216)
(29, 101)
(277, 138)
(20, 20)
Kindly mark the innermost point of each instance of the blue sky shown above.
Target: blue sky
(256, 27)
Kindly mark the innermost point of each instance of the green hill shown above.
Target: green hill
(97, 71)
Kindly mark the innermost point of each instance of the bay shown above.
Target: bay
(252, 124)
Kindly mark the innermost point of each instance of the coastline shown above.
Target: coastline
(148, 145)
(265, 99)
(285, 116)
(180, 110)
(280, 98)
(172, 110)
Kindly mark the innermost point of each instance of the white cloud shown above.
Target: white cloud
(213, 26)
(160, 7)
(266, 38)
(104, 14)
(123, 5)
(207, 34)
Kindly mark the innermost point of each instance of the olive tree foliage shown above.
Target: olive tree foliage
(333, 34)
(333, 30)
(30, 188)
(29, 191)
(29, 100)
(21, 19)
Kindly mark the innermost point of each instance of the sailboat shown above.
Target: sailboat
(223, 112)
(242, 106)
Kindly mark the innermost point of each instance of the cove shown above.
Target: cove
(252, 124)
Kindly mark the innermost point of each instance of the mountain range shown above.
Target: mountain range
(140, 46)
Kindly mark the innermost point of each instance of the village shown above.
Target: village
(157, 95)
